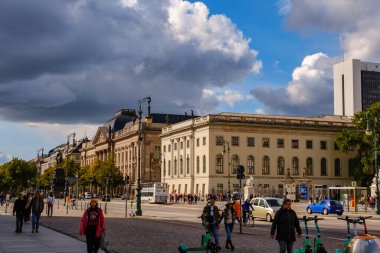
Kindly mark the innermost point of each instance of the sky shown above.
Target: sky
(68, 66)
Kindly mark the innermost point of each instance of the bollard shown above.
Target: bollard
(58, 204)
(81, 205)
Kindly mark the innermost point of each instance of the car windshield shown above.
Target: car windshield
(274, 202)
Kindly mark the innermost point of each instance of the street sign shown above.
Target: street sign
(353, 183)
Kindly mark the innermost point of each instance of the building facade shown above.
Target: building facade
(356, 86)
(201, 155)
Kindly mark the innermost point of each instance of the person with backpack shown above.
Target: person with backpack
(212, 216)
(229, 216)
(92, 225)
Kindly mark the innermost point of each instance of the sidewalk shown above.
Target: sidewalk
(46, 241)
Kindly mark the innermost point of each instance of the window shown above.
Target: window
(323, 167)
(234, 163)
(266, 170)
(204, 164)
(250, 141)
(219, 164)
(280, 166)
(219, 188)
(164, 169)
(309, 166)
(265, 142)
(188, 144)
(175, 146)
(181, 144)
(309, 144)
(295, 166)
(235, 140)
(204, 141)
(351, 167)
(251, 165)
(197, 142)
(187, 165)
(164, 148)
(337, 170)
(198, 165)
(169, 148)
(280, 143)
(175, 166)
(219, 140)
(169, 172)
(294, 143)
(336, 146)
(323, 145)
(181, 165)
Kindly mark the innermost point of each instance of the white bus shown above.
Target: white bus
(154, 193)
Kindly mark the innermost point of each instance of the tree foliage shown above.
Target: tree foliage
(364, 144)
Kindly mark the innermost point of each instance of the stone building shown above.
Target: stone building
(201, 155)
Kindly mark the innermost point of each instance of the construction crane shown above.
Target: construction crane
(42, 152)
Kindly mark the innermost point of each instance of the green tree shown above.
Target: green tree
(358, 140)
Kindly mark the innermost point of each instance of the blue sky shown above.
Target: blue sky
(67, 66)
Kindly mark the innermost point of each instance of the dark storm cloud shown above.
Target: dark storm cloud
(80, 61)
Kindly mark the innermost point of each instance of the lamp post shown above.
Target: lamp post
(148, 119)
(229, 164)
(105, 205)
(369, 132)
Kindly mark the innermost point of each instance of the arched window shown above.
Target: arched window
(281, 166)
(187, 165)
(309, 166)
(175, 166)
(169, 168)
(251, 165)
(198, 165)
(295, 166)
(181, 165)
(234, 163)
(323, 167)
(204, 164)
(337, 168)
(219, 164)
(266, 168)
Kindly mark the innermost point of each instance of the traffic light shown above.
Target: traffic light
(127, 179)
(240, 172)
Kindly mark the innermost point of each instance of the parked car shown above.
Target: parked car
(125, 196)
(106, 198)
(88, 195)
(266, 207)
(325, 206)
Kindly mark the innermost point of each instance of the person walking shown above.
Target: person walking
(50, 204)
(92, 225)
(37, 206)
(229, 216)
(286, 222)
(18, 211)
(28, 208)
(212, 216)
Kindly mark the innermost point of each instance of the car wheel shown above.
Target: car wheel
(309, 211)
(325, 211)
(269, 217)
(340, 214)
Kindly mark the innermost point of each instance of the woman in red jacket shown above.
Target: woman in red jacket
(92, 225)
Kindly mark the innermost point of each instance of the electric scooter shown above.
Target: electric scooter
(207, 244)
(348, 220)
(318, 245)
(364, 243)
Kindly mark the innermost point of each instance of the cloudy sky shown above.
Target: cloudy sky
(67, 66)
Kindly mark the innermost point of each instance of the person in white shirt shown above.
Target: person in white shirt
(50, 204)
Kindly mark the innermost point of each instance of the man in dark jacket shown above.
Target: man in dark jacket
(212, 216)
(18, 211)
(37, 205)
(286, 222)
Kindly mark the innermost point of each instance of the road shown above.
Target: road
(330, 227)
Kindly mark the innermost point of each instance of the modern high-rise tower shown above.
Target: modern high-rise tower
(356, 86)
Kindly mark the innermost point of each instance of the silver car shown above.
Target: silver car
(266, 207)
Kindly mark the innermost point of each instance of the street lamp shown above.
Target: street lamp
(148, 119)
(229, 164)
(369, 132)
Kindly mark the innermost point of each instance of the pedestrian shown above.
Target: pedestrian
(286, 222)
(37, 206)
(68, 201)
(50, 204)
(92, 225)
(212, 216)
(229, 216)
(247, 207)
(28, 208)
(18, 211)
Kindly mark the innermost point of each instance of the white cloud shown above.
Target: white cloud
(309, 92)
(4, 157)
(355, 21)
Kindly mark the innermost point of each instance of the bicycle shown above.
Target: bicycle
(250, 219)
